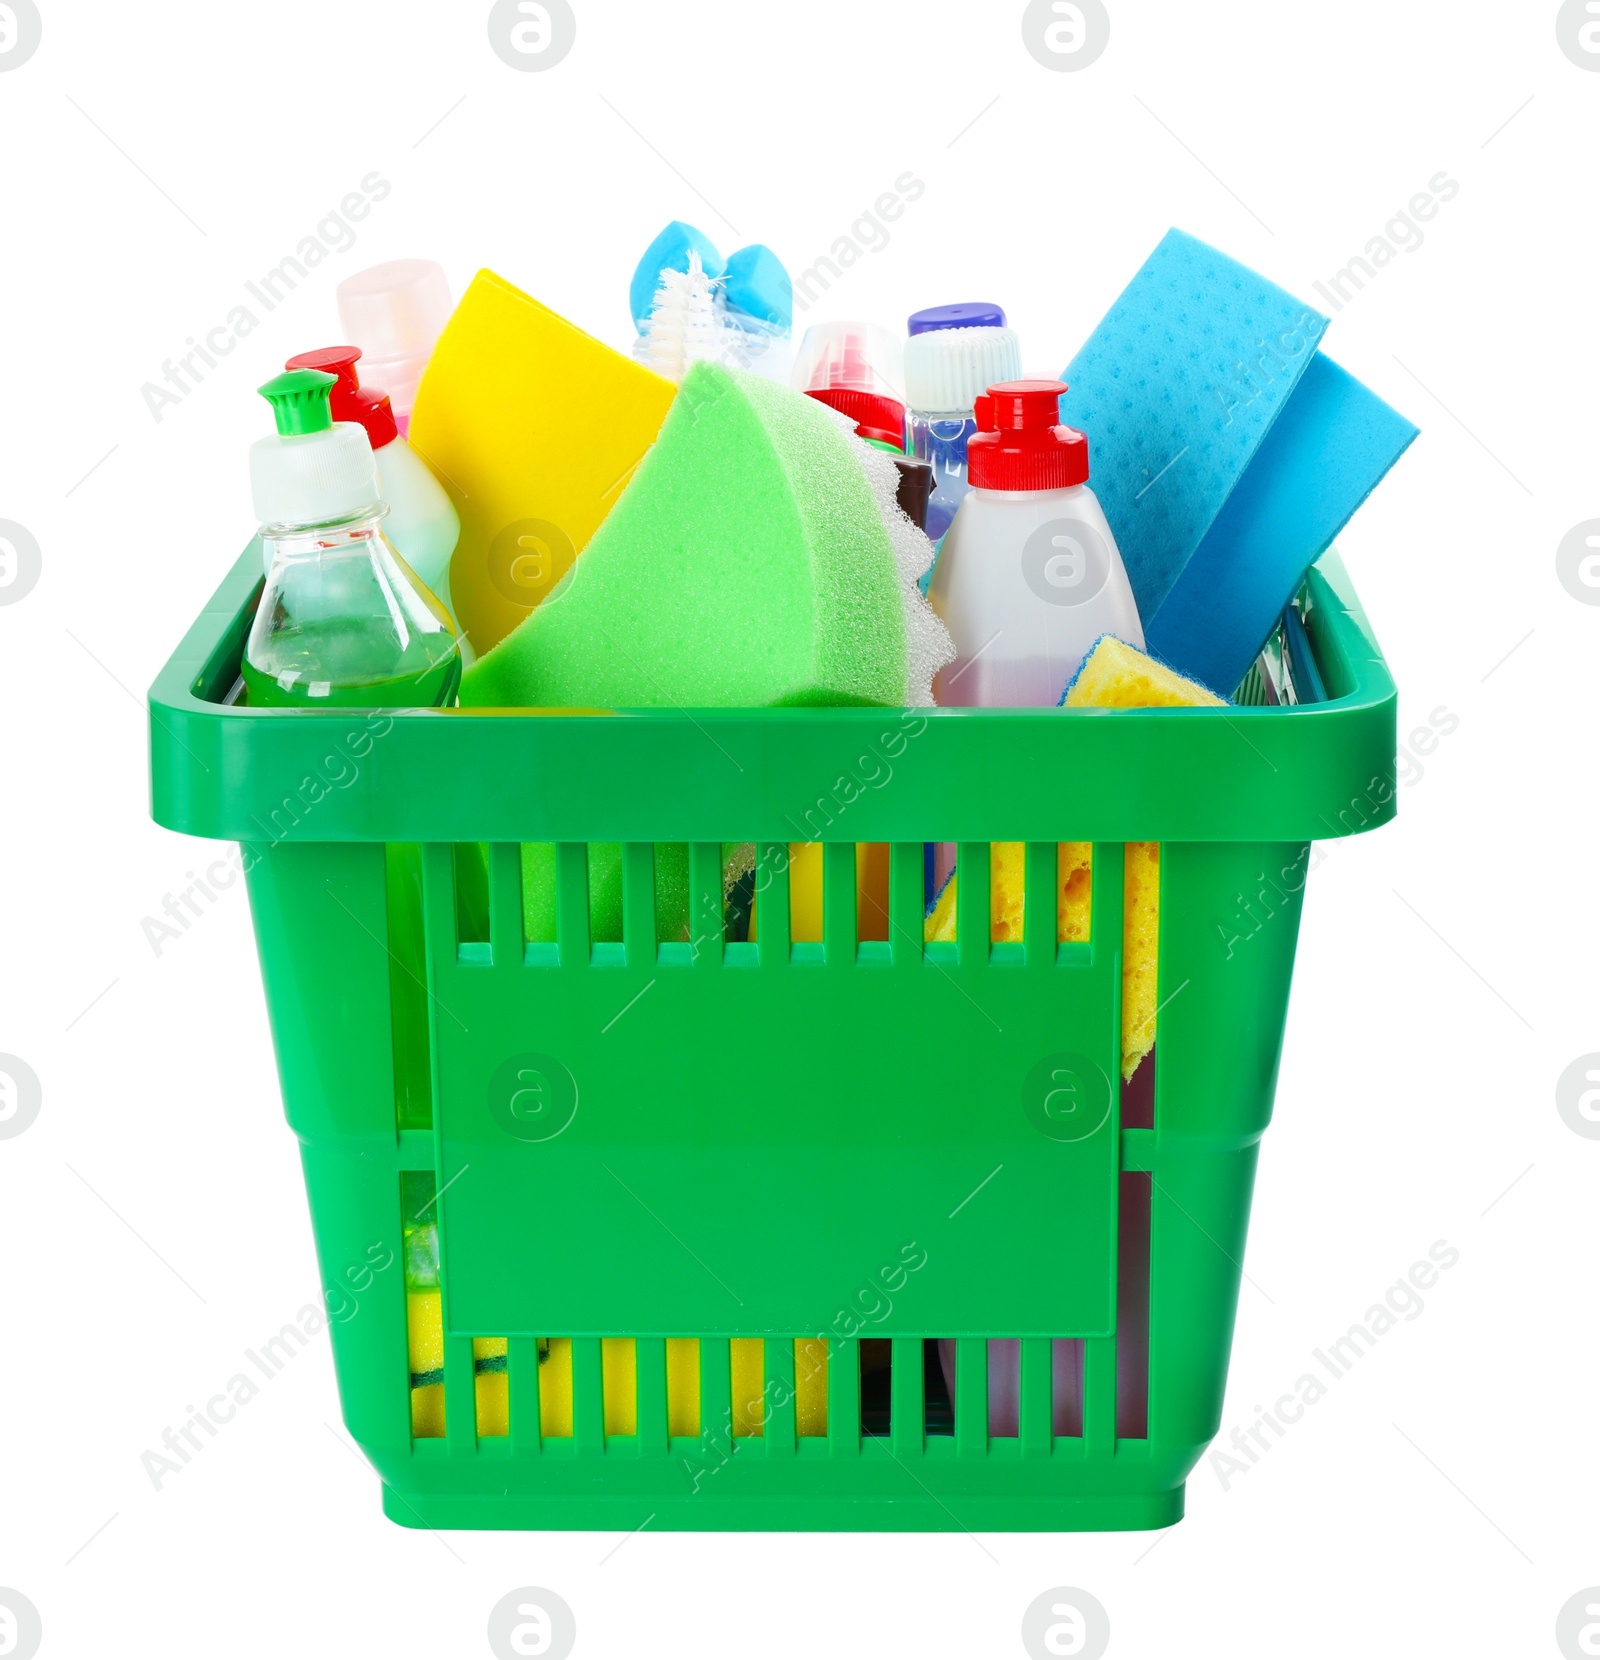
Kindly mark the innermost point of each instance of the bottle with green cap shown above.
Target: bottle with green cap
(343, 620)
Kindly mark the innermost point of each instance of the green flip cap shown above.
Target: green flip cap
(299, 401)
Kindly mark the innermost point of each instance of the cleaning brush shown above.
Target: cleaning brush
(684, 326)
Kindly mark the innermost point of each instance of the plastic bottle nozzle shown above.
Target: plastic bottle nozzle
(299, 401)
(349, 400)
(1025, 405)
(338, 361)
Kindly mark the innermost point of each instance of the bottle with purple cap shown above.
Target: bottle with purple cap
(954, 353)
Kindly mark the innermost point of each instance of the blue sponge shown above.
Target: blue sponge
(1176, 388)
(1325, 453)
(756, 284)
(669, 251)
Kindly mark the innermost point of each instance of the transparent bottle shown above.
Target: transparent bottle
(946, 371)
(343, 620)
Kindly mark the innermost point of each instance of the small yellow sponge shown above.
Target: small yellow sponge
(1114, 676)
(1007, 889)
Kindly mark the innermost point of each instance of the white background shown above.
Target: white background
(1441, 1499)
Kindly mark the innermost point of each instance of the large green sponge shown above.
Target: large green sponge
(755, 558)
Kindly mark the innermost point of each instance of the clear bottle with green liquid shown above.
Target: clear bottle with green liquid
(343, 620)
(345, 623)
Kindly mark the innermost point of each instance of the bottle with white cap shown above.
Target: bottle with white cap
(395, 313)
(947, 369)
(343, 620)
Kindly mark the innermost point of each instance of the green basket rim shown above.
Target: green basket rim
(861, 774)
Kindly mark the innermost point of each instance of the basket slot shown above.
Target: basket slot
(1139, 1096)
(906, 906)
(1099, 1395)
(839, 903)
(770, 912)
(844, 1397)
(651, 1379)
(472, 892)
(572, 904)
(1133, 1306)
(1067, 1368)
(811, 1386)
(1039, 926)
(1034, 1414)
(905, 1396)
(522, 1368)
(490, 1379)
(638, 903)
(619, 1384)
(938, 1418)
(872, 892)
(972, 1397)
(505, 903)
(588, 1397)
(745, 1361)
(705, 903)
(972, 903)
(555, 1389)
(778, 1400)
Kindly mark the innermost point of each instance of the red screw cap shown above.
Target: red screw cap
(1022, 445)
(876, 415)
(347, 401)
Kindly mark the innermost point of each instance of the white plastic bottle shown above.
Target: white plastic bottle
(1029, 576)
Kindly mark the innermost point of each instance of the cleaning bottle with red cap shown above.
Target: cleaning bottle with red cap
(422, 521)
(1029, 576)
(854, 368)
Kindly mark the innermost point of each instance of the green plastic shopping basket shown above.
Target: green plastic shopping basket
(648, 1162)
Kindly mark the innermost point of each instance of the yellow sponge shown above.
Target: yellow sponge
(533, 427)
(1115, 676)
(1007, 889)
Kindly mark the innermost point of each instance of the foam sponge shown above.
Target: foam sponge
(1114, 676)
(533, 427)
(1228, 452)
(1007, 888)
(757, 557)
(1325, 454)
(1176, 388)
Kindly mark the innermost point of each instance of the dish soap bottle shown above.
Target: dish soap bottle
(1029, 576)
(343, 621)
(422, 522)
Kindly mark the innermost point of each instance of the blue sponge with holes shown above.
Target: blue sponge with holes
(1226, 451)
(1324, 455)
(1176, 388)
